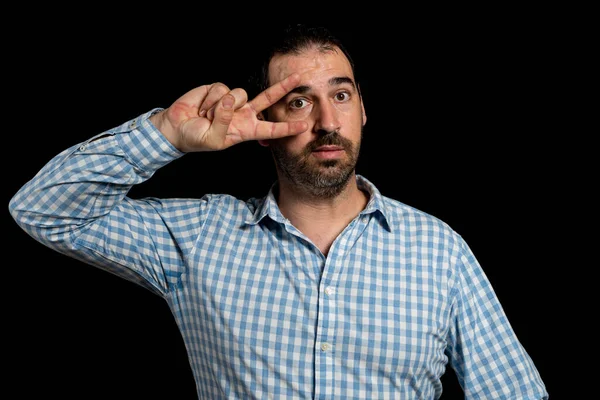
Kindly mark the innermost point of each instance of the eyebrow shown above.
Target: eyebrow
(336, 81)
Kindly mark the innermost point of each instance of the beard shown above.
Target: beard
(322, 179)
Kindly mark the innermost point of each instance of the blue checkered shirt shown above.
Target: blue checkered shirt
(263, 313)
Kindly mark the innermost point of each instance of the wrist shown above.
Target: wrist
(161, 123)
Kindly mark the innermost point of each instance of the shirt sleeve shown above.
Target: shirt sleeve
(77, 204)
(484, 351)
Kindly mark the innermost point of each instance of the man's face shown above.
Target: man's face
(323, 158)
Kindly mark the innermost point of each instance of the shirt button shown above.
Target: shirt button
(329, 291)
(82, 147)
(325, 346)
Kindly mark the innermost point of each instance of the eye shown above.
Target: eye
(298, 103)
(342, 96)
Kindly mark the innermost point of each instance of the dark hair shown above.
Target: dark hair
(295, 38)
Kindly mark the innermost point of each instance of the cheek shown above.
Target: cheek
(358, 119)
(281, 113)
(296, 144)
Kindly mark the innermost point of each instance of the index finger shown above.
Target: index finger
(274, 93)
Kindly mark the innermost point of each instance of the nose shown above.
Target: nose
(326, 120)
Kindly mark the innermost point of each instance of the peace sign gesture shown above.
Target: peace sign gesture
(213, 117)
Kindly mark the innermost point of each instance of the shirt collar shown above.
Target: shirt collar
(376, 204)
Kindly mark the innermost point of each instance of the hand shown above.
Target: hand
(212, 117)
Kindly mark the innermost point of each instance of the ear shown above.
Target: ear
(362, 107)
(262, 142)
(364, 114)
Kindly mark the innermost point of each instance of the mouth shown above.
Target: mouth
(328, 148)
(328, 152)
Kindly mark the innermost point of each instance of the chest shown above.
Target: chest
(358, 298)
(359, 317)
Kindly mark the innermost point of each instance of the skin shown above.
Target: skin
(311, 116)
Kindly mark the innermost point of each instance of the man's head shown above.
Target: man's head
(295, 38)
(321, 160)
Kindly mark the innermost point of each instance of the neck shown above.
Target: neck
(301, 207)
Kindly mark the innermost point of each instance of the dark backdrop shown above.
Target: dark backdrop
(457, 126)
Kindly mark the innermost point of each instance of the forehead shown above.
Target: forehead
(312, 64)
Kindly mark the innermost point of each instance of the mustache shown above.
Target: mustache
(331, 139)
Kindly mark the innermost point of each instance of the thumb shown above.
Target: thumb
(224, 113)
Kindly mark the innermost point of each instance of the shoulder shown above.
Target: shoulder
(407, 217)
(209, 205)
(407, 220)
(421, 230)
(230, 203)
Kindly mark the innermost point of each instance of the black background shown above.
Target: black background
(461, 123)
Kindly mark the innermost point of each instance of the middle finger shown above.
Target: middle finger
(273, 94)
(215, 93)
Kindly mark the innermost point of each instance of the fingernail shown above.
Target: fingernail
(202, 112)
(227, 102)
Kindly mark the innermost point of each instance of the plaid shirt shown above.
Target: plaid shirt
(263, 313)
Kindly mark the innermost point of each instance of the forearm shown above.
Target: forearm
(88, 180)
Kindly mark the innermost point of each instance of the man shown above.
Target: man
(324, 288)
